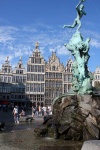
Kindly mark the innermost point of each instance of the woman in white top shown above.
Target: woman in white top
(15, 113)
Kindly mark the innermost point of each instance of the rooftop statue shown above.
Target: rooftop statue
(37, 45)
(80, 13)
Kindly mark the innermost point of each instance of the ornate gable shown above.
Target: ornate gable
(54, 63)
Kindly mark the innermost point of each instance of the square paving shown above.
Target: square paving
(21, 136)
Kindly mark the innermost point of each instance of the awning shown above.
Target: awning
(4, 102)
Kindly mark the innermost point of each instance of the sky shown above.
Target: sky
(25, 22)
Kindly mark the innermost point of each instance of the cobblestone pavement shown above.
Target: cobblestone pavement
(18, 136)
(21, 136)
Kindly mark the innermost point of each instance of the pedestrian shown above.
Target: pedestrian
(44, 110)
(47, 110)
(15, 113)
(40, 110)
(37, 111)
(22, 113)
(33, 111)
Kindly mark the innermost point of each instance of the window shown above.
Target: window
(69, 78)
(36, 54)
(39, 68)
(38, 61)
(65, 77)
(17, 71)
(35, 77)
(21, 79)
(31, 88)
(43, 70)
(46, 75)
(28, 68)
(5, 69)
(19, 65)
(32, 77)
(53, 68)
(28, 77)
(47, 84)
(65, 88)
(68, 70)
(27, 87)
(1, 78)
(36, 68)
(32, 60)
(9, 79)
(35, 87)
(17, 78)
(59, 75)
(5, 79)
(24, 78)
(21, 71)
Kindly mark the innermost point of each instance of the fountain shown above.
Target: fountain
(76, 114)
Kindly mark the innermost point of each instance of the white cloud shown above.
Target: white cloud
(61, 50)
(95, 37)
(16, 42)
(95, 43)
(18, 53)
(6, 33)
(2, 58)
(52, 50)
(92, 54)
(29, 29)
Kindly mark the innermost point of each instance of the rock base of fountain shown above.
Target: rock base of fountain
(75, 117)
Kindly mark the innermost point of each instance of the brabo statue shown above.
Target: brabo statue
(80, 13)
(79, 48)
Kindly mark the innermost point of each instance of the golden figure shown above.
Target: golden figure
(37, 45)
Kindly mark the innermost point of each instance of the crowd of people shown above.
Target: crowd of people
(41, 111)
(17, 111)
(36, 111)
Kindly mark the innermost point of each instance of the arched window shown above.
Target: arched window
(19, 65)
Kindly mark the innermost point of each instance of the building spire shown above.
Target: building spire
(20, 60)
(7, 58)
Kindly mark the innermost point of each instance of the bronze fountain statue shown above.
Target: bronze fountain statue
(76, 114)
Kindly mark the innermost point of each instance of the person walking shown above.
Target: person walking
(33, 111)
(40, 110)
(22, 113)
(15, 113)
(44, 110)
(37, 111)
